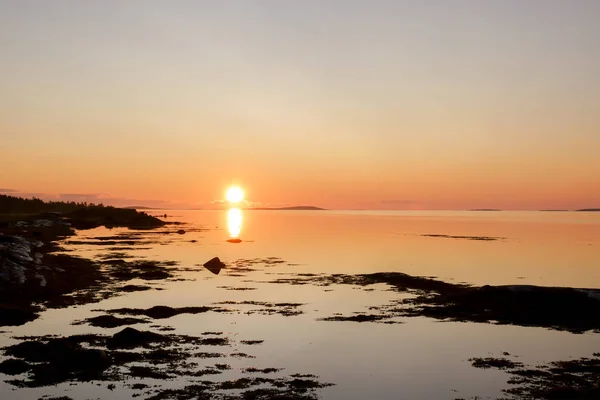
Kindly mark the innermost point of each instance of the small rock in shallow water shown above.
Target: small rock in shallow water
(214, 265)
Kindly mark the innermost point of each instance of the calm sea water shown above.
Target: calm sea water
(417, 359)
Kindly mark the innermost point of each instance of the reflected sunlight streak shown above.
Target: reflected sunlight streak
(234, 222)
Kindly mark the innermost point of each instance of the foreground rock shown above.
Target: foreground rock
(570, 309)
(559, 380)
(52, 361)
(20, 262)
(58, 360)
(574, 310)
(32, 277)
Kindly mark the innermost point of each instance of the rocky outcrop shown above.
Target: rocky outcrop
(19, 260)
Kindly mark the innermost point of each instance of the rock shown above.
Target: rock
(62, 354)
(16, 316)
(109, 321)
(214, 265)
(17, 261)
(130, 338)
(14, 367)
(134, 288)
(161, 312)
(37, 258)
(42, 279)
(42, 223)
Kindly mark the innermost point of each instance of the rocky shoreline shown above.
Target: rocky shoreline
(35, 274)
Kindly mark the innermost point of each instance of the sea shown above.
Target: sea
(411, 358)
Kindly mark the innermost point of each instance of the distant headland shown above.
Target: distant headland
(589, 209)
(79, 215)
(485, 209)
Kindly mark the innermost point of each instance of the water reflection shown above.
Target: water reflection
(234, 222)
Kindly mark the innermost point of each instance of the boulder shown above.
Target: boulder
(130, 338)
(214, 265)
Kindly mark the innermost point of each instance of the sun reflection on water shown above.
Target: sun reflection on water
(234, 222)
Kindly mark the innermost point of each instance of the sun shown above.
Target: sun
(235, 194)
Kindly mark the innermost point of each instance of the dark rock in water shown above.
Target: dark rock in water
(129, 338)
(180, 232)
(574, 310)
(161, 312)
(356, 318)
(14, 367)
(559, 380)
(214, 265)
(234, 240)
(55, 398)
(491, 362)
(60, 359)
(16, 316)
(109, 321)
(134, 288)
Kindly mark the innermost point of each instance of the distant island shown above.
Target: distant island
(590, 209)
(294, 208)
(485, 209)
(139, 208)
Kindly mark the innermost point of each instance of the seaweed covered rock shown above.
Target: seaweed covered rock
(575, 310)
(130, 338)
(57, 360)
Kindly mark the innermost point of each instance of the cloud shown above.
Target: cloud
(8, 191)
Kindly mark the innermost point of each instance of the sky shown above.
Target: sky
(436, 104)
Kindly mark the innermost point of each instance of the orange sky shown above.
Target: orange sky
(379, 105)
